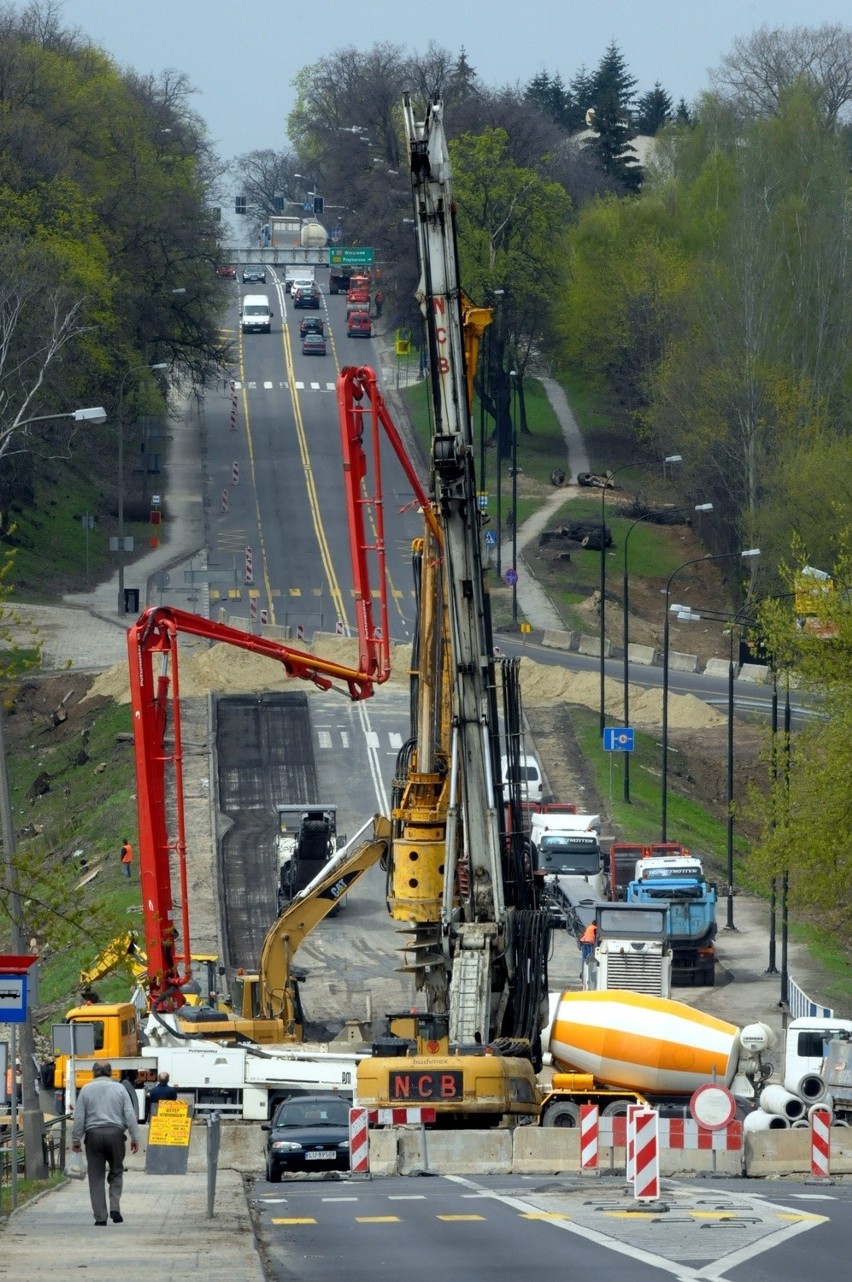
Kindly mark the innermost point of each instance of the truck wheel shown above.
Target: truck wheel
(618, 1108)
(564, 1113)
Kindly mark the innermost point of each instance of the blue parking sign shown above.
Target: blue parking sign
(615, 740)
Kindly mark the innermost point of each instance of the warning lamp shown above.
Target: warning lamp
(156, 516)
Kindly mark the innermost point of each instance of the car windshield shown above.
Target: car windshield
(301, 1113)
(255, 310)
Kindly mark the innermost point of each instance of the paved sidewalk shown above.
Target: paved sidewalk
(165, 1234)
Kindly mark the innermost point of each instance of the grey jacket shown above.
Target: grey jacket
(103, 1102)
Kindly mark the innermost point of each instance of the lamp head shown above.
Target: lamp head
(93, 414)
(751, 552)
(673, 458)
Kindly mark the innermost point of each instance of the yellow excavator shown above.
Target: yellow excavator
(123, 953)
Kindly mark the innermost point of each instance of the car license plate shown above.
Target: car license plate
(320, 1156)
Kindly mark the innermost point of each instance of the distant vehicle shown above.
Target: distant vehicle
(311, 325)
(313, 345)
(227, 271)
(256, 314)
(358, 300)
(255, 272)
(529, 781)
(310, 296)
(359, 325)
(308, 1133)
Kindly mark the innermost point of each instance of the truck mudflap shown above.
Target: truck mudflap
(694, 967)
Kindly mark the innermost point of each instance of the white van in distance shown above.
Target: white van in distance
(531, 786)
(256, 314)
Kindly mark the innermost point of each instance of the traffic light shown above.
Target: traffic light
(278, 204)
(240, 205)
(318, 205)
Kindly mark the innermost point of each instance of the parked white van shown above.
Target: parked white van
(256, 315)
(529, 777)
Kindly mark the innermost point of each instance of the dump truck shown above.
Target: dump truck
(677, 882)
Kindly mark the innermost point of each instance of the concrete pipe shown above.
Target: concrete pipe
(811, 1088)
(774, 1099)
(760, 1121)
(824, 1107)
(800, 1124)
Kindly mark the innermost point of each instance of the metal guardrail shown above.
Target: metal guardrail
(801, 1006)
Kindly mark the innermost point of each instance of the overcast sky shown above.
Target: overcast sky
(242, 55)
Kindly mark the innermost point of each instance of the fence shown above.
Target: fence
(800, 1005)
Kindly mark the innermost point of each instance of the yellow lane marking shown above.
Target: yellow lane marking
(544, 1215)
(454, 1218)
(631, 1215)
(262, 559)
(377, 1219)
(791, 1215)
(306, 1220)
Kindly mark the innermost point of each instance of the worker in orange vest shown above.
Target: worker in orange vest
(126, 858)
(588, 939)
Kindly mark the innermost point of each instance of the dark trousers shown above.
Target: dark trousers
(105, 1146)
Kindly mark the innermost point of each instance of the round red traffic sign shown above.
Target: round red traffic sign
(713, 1106)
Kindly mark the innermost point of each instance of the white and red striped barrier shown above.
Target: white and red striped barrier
(249, 566)
(646, 1182)
(226, 501)
(820, 1143)
(400, 1116)
(589, 1124)
(253, 610)
(235, 473)
(359, 1141)
(677, 1133)
(629, 1137)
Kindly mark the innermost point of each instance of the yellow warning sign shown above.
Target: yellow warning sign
(170, 1129)
(173, 1108)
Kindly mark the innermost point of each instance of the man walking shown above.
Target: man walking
(102, 1116)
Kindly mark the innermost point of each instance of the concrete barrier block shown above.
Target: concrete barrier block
(716, 668)
(456, 1152)
(592, 646)
(555, 639)
(384, 1159)
(644, 654)
(542, 1150)
(682, 662)
(789, 1152)
(756, 672)
(275, 632)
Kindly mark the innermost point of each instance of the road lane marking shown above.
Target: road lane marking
(377, 1219)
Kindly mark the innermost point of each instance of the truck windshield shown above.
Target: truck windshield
(255, 311)
(641, 924)
(569, 855)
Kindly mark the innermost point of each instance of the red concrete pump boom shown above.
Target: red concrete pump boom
(158, 751)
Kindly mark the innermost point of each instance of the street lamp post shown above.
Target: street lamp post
(513, 409)
(695, 560)
(134, 369)
(625, 636)
(670, 458)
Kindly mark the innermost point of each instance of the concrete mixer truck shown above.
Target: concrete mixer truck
(618, 1048)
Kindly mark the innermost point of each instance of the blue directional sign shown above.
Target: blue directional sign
(511, 576)
(615, 740)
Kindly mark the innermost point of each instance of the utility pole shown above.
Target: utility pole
(33, 1118)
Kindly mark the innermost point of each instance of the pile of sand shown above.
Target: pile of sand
(226, 669)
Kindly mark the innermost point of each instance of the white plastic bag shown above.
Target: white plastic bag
(75, 1166)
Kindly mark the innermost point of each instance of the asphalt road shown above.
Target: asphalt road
(494, 1228)
(287, 505)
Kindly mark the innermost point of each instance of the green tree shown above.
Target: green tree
(512, 229)
(807, 816)
(612, 79)
(653, 110)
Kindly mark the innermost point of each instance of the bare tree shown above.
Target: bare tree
(39, 319)
(760, 67)
(263, 175)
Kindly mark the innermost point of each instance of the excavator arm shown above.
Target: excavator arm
(276, 995)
